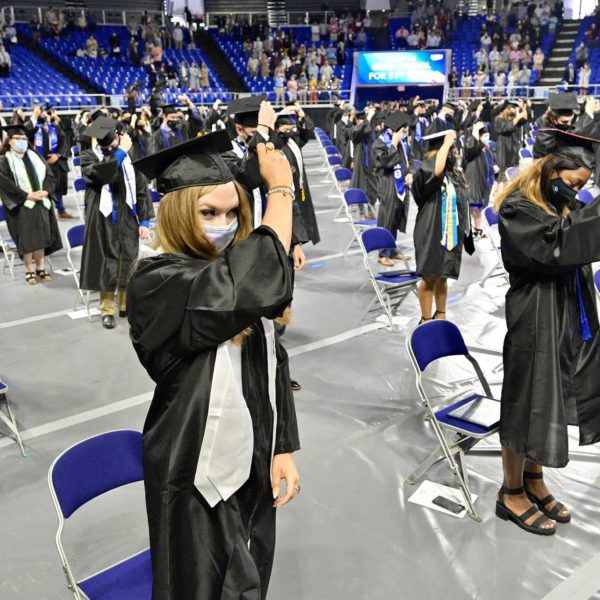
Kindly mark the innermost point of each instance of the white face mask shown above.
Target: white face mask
(221, 236)
(485, 138)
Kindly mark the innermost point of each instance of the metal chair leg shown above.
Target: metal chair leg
(11, 423)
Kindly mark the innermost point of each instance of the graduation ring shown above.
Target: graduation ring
(269, 146)
(297, 489)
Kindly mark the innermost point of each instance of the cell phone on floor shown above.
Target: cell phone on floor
(450, 505)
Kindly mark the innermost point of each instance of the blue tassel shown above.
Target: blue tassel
(586, 333)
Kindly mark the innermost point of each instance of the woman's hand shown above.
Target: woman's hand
(37, 196)
(299, 257)
(144, 233)
(284, 467)
(274, 166)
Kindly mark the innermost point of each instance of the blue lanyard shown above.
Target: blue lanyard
(166, 139)
(586, 334)
(488, 176)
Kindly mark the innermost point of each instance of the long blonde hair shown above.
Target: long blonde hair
(533, 182)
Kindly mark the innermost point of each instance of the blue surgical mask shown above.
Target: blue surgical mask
(221, 236)
(485, 138)
(21, 146)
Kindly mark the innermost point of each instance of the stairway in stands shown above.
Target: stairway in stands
(219, 62)
(276, 13)
(559, 55)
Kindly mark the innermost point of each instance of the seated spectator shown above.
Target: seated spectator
(115, 45)
(538, 60)
(5, 62)
(401, 37)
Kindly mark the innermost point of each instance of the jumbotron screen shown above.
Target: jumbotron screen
(419, 67)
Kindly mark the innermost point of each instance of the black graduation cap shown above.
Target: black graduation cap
(99, 112)
(474, 105)
(564, 104)
(578, 147)
(286, 116)
(168, 109)
(193, 163)
(245, 110)
(451, 105)
(14, 130)
(103, 129)
(397, 120)
(435, 139)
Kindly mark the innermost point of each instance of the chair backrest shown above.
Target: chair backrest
(154, 196)
(95, 466)
(434, 340)
(355, 196)
(377, 238)
(331, 150)
(343, 174)
(525, 153)
(334, 160)
(2, 214)
(77, 161)
(75, 150)
(597, 280)
(79, 184)
(75, 236)
(491, 216)
(511, 172)
(585, 196)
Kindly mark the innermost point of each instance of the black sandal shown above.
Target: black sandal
(43, 275)
(504, 513)
(424, 320)
(30, 278)
(554, 512)
(438, 312)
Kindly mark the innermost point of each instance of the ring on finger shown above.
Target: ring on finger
(297, 489)
(269, 146)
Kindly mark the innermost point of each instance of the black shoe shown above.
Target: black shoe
(108, 322)
(122, 314)
(296, 387)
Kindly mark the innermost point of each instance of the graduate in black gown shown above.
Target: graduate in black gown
(118, 210)
(393, 169)
(174, 129)
(480, 172)
(552, 346)
(221, 429)
(27, 192)
(508, 128)
(439, 190)
(362, 135)
(342, 135)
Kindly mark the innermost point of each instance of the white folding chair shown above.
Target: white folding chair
(74, 241)
(8, 418)
(491, 225)
(9, 248)
(427, 343)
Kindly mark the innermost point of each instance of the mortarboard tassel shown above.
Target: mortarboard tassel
(586, 334)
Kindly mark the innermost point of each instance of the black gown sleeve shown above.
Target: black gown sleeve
(536, 241)
(286, 435)
(504, 127)
(425, 182)
(244, 283)
(99, 172)
(473, 148)
(10, 193)
(386, 158)
(143, 203)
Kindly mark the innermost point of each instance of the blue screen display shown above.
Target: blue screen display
(402, 68)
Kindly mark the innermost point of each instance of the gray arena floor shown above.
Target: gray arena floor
(351, 534)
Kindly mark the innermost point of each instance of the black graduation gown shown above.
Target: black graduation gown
(363, 174)
(60, 169)
(551, 376)
(393, 212)
(188, 130)
(180, 310)
(109, 250)
(479, 170)
(418, 129)
(30, 228)
(142, 143)
(508, 144)
(341, 141)
(438, 124)
(545, 141)
(433, 260)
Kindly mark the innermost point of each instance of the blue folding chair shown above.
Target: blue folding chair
(8, 419)
(525, 155)
(597, 282)
(585, 196)
(74, 239)
(491, 223)
(8, 247)
(83, 472)
(334, 161)
(391, 288)
(355, 197)
(429, 342)
(342, 176)
(80, 185)
(511, 173)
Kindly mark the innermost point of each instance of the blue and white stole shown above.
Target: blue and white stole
(449, 215)
(386, 138)
(52, 140)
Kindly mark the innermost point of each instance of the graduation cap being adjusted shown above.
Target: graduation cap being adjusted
(169, 109)
(193, 163)
(397, 120)
(577, 147)
(103, 129)
(435, 140)
(450, 105)
(563, 104)
(245, 110)
(12, 130)
(287, 116)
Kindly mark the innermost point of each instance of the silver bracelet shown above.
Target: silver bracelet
(281, 189)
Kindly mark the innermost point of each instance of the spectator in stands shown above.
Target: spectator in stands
(265, 68)
(279, 87)
(486, 41)
(178, 37)
(453, 83)
(115, 45)
(134, 57)
(334, 87)
(527, 56)
(326, 72)
(324, 89)
(292, 88)
(524, 80)
(413, 40)
(313, 70)
(494, 57)
(314, 33)
(434, 39)
(401, 37)
(166, 37)
(10, 35)
(538, 60)
(156, 55)
(569, 76)
(481, 58)
(184, 74)
(514, 56)
(313, 89)
(303, 87)
(204, 82)
(172, 79)
(466, 82)
(592, 36)
(36, 29)
(194, 76)
(581, 55)
(481, 78)
(340, 54)
(92, 47)
(499, 83)
(584, 78)
(513, 80)
(331, 55)
(253, 66)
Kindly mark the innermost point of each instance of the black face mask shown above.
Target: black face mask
(41, 120)
(560, 194)
(562, 126)
(126, 122)
(285, 136)
(174, 124)
(106, 151)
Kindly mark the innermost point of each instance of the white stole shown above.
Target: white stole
(17, 166)
(256, 195)
(226, 453)
(106, 199)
